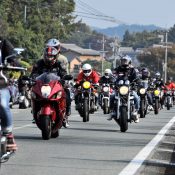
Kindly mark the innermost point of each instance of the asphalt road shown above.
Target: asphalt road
(93, 148)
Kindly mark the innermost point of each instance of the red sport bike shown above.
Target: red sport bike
(49, 104)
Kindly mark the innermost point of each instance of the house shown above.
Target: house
(76, 55)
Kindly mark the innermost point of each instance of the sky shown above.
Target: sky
(144, 12)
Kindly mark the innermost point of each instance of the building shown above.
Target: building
(76, 55)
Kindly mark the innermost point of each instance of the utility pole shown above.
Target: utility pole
(166, 54)
(103, 54)
(25, 14)
(115, 48)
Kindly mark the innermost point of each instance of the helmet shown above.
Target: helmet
(50, 55)
(145, 73)
(87, 69)
(107, 73)
(53, 43)
(125, 60)
(157, 75)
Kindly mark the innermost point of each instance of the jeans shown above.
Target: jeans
(136, 100)
(6, 115)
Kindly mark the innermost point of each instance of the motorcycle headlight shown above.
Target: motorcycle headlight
(142, 91)
(45, 91)
(123, 90)
(86, 85)
(105, 89)
(59, 95)
(156, 92)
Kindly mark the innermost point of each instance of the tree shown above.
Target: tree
(44, 19)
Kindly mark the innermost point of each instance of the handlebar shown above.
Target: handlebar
(4, 67)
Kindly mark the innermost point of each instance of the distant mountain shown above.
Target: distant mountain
(119, 31)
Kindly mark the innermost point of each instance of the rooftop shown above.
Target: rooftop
(73, 47)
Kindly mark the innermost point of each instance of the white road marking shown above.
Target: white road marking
(24, 126)
(137, 161)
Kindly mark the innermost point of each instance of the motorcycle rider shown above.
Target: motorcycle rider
(159, 83)
(145, 82)
(87, 74)
(6, 49)
(107, 78)
(50, 61)
(127, 69)
(170, 85)
(65, 65)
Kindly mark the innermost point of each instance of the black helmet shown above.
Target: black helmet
(125, 60)
(145, 73)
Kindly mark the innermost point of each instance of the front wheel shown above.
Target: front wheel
(123, 119)
(156, 107)
(105, 106)
(142, 109)
(85, 110)
(168, 102)
(45, 127)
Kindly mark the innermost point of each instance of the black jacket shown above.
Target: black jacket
(104, 80)
(40, 67)
(129, 72)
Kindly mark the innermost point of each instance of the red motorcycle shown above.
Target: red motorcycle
(48, 104)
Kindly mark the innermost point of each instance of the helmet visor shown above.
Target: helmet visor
(86, 71)
(124, 62)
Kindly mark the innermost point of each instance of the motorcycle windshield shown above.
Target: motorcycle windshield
(144, 84)
(48, 77)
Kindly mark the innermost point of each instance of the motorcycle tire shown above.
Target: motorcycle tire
(168, 106)
(86, 110)
(156, 107)
(45, 127)
(123, 119)
(105, 106)
(142, 109)
(168, 103)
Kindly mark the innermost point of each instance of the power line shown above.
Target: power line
(90, 12)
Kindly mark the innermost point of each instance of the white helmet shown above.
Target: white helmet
(87, 69)
(107, 73)
(53, 43)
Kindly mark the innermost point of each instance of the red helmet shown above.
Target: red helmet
(50, 55)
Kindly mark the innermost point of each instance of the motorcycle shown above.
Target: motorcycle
(105, 98)
(156, 100)
(24, 99)
(142, 92)
(86, 99)
(168, 99)
(123, 104)
(13, 87)
(49, 98)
